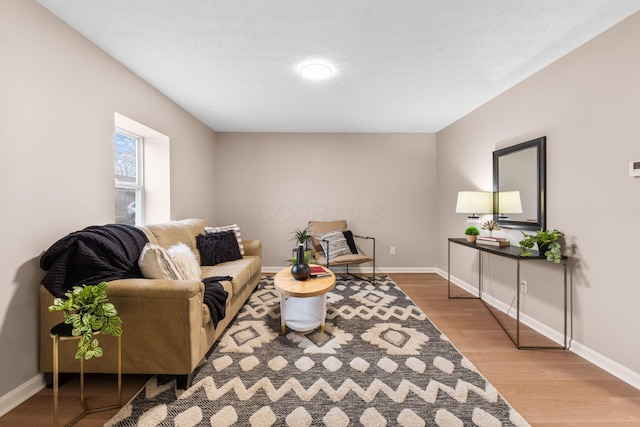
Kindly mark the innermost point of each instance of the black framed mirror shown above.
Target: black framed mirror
(520, 170)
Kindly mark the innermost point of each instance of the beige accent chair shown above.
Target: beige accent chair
(318, 228)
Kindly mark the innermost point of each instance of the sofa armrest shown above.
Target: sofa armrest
(252, 247)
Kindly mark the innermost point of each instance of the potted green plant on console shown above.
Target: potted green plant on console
(472, 233)
(87, 311)
(547, 241)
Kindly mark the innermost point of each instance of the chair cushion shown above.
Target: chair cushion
(322, 227)
(346, 259)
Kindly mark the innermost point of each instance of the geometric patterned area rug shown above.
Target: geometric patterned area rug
(380, 362)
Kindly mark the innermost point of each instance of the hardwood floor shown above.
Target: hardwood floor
(549, 388)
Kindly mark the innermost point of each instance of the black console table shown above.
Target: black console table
(511, 252)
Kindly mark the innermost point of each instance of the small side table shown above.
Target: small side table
(303, 304)
(62, 332)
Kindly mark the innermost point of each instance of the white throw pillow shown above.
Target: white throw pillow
(156, 263)
(236, 230)
(185, 260)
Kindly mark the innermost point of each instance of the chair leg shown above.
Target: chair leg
(371, 279)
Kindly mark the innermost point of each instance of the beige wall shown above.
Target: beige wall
(58, 96)
(383, 184)
(587, 105)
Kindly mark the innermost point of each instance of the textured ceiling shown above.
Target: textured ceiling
(401, 66)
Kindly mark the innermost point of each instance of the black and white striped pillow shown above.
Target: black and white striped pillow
(337, 244)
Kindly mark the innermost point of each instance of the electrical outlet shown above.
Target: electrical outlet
(523, 286)
(392, 250)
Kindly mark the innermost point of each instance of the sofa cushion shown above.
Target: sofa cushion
(218, 247)
(170, 233)
(236, 230)
(241, 271)
(185, 260)
(156, 263)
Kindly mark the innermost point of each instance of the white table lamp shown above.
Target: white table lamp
(474, 203)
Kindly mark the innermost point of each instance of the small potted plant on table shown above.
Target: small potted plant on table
(302, 237)
(471, 233)
(547, 241)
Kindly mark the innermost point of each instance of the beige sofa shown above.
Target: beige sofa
(166, 327)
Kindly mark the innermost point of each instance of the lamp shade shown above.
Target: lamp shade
(473, 202)
(509, 202)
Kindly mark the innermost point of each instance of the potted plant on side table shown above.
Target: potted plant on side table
(87, 311)
(547, 241)
(471, 233)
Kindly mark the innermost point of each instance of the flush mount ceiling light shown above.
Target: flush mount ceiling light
(316, 71)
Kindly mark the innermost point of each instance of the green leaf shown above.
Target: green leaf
(86, 319)
(97, 352)
(81, 351)
(97, 323)
(109, 309)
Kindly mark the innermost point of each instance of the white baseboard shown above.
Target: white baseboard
(18, 395)
(366, 270)
(611, 366)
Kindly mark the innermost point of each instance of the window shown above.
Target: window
(128, 177)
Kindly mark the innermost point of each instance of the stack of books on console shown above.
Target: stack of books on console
(492, 241)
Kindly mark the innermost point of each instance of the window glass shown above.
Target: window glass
(128, 177)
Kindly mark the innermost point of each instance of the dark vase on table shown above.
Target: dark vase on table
(300, 270)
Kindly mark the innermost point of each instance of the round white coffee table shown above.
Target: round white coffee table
(303, 304)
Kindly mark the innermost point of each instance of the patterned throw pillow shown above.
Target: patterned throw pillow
(337, 244)
(156, 263)
(236, 230)
(218, 247)
(185, 260)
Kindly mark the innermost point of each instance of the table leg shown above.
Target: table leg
(324, 312)
(283, 304)
(518, 305)
(55, 380)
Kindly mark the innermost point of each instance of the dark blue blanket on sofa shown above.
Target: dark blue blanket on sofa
(101, 253)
